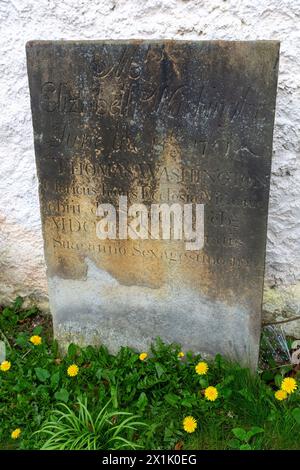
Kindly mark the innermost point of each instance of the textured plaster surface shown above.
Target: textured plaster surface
(21, 256)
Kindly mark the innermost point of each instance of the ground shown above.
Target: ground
(232, 408)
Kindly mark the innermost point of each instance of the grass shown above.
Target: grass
(158, 392)
(78, 429)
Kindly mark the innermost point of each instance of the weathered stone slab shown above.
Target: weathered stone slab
(159, 122)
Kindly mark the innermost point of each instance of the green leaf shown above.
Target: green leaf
(55, 348)
(172, 399)
(187, 403)
(219, 360)
(21, 386)
(142, 401)
(228, 380)
(240, 433)
(234, 444)
(246, 394)
(278, 380)
(267, 376)
(114, 396)
(245, 447)
(253, 431)
(42, 374)
(22, 339)
(133, 359)
(272, 416)
(90, 351)
(203, 382)
(72, 350)
(296, 414)
(110, 375)
(18, 303)
(37, 330)
(62, 395)
(54, 380)
(226, 392)
(7, 312)
(159, 370)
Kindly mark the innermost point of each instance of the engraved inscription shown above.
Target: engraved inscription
(160, 122)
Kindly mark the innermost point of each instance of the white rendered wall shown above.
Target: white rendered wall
(22, 270)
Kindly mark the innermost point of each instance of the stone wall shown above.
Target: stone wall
(22, 266)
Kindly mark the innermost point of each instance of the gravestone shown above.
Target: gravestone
(152, 123)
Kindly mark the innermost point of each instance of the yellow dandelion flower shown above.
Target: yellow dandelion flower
(16, 433)
(201, 368)
(189, 424)
(73, 370)
(289, 385)
(281, 395)
(5, 366)
(180, 354)
(36, 340)
(143, 356)
(211, 393)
